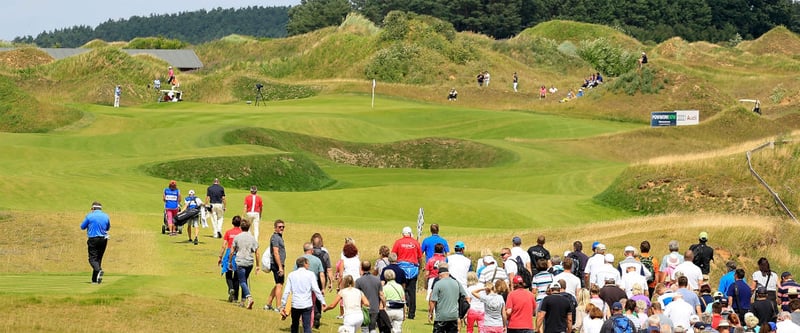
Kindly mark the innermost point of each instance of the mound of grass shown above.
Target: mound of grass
(23, 113)
(427, 153)
(778, 40)
(90, 77)
(576, 32)
(24, 57)
(646, 81)
(244, 88)
(721, 185)
(95, 44)
(280, 172)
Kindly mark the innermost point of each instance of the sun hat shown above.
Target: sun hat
(488, 260)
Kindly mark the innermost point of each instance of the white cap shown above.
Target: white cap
(567, 253)
(600, 246)
(630, 249)
(191, 192)
(609, 257)
(488, 260)
(406, 230)
(555, 285)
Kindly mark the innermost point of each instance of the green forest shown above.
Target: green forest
(646, 20)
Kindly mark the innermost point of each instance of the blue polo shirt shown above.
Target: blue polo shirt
(96, 224)
(431, 241)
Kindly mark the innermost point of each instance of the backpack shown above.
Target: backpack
(647, 262)
(577, 265)
(622, 324)
(701, 257)
(527, 278)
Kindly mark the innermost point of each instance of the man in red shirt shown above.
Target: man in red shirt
(520, 308)
(409, 258)
(252, 209)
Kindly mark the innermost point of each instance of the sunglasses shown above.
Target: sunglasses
(504, 254)
(280, 227)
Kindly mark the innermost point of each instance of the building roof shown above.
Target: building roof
(181, 59)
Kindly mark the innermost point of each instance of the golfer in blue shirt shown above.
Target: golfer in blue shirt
(96, 225)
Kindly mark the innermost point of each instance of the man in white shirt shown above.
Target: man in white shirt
(605, 272)
(459, 265)
(630, 261)
(690, 271)
(517, 251)
(679, 311)
(785, 324)
(302, 284)
(573, 283)
(509, 263)
(595, 262)
(630, 278)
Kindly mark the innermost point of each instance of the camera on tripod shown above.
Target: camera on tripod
(259, 86)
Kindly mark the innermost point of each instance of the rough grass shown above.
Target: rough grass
(426, 153)
(23, 113)
(280, 172)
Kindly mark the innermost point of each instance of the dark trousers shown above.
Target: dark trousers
(317, 311)
(232, 279)
(445, 326)
(97, 248)
(305, 314)
(411, 296)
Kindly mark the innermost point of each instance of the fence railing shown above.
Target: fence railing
(772, 192)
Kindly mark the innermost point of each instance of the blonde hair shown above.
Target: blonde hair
(489, 287)
(486, 252)
(637, 289)
(472, 279)
(583, 297)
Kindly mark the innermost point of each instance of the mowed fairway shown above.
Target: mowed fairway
(160, 283)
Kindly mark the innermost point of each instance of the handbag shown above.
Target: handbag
(395, 304)
(463, 306)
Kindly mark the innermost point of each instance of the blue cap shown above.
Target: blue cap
(772, 326)
(516, 240)
(594, 245)
(616, 306)
(460, 245)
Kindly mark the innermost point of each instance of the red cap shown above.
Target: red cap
(517, 279)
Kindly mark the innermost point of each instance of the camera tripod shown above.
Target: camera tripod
(259, 97)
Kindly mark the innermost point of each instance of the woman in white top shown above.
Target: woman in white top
(594, 322)
(351, 264)
(581, 311)
(494, 307)
(475, 315)
(765, 277)
(352, 299)
(395, 300)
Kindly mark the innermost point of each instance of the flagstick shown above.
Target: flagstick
(373, 93)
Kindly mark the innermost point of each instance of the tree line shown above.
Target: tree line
(645, 20)
(193, 27)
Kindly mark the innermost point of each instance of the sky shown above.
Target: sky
(31, 17)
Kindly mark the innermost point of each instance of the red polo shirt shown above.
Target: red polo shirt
(407, 250)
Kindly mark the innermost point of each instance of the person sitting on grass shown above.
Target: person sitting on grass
(452, 95)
